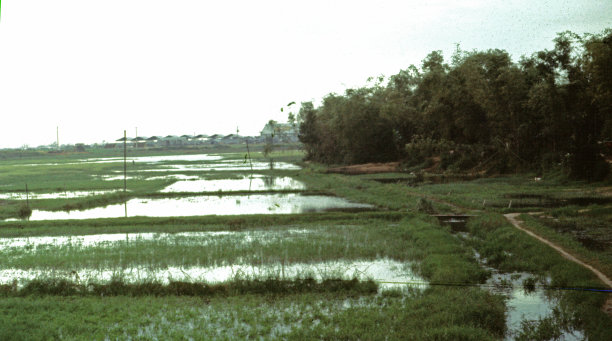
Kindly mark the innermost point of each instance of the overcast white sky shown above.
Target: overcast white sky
(97, 67)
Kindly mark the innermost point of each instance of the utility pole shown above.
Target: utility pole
(57, 136)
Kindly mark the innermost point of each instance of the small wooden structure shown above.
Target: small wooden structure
(457, 222)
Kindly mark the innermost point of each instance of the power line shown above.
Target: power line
(504, 286)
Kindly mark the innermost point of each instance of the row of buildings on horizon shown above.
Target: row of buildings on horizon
(273, 132)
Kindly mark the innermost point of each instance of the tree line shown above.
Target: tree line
(479, 112)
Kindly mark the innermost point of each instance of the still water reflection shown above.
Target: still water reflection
(388, 273)
(209, 205)
(255, 183)
(55, 195)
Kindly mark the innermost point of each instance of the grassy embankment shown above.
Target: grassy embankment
(575, 215)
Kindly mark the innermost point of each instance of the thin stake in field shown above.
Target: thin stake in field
(125, 168)
(124, 162)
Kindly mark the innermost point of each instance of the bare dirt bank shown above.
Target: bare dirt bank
(366, 168)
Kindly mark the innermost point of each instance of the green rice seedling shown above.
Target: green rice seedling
(298, 316)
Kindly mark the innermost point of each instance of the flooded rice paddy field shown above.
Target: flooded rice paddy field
(318, 252)
(131, 159)
(388, 273)
(288, 252)
(247, 183)
(55, 195)
(396, 256)
(240, 317)
(208, 205)
(215, 174)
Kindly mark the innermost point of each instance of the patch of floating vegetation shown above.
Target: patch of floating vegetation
(111, 239)
(209, 205)
(254, 183)
(54, 195)
(389, 274)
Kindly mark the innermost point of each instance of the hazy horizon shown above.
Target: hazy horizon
(96, 68)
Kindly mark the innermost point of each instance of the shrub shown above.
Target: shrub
(24, 211)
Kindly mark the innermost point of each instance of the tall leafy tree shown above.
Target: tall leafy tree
(553, 107)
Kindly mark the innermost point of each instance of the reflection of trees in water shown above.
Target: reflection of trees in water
(269, 182)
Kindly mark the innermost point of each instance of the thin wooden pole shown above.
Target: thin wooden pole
(249, 154)
(124, 161)
(27, 197)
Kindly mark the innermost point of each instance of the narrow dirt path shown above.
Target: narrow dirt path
(513, 219)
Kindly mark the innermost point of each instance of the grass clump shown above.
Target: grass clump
(24, 211)
(425, 206)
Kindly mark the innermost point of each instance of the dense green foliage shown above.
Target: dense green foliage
(480, 112)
